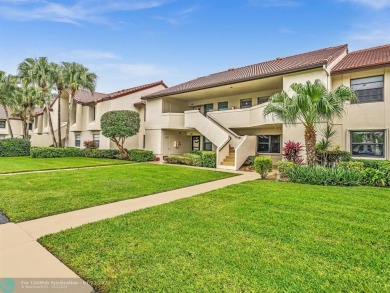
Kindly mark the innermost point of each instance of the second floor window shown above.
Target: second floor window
(77, 139)
(368, 89)
(96, 139)
(2, 123)
(268, 143)
(245, 103)
(262, 100)
(223, 106)
(92, 113)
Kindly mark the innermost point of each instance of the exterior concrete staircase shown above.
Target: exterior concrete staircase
(231, 158)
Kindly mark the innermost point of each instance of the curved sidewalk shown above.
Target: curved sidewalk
(23, 257)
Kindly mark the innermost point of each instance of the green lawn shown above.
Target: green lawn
(258, 236)
(25, 164)
(34, 195)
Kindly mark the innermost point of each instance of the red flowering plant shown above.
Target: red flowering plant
(291, 152)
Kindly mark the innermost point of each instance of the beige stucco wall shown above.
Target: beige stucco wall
(365, 116)
(86, 126)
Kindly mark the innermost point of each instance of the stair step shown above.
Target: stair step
(228, 160)
(227, 163)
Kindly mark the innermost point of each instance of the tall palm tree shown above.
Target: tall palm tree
(76, 77)
(36, 71)
(310, 104)
(8, 86)
(27, 98)
(57, 79)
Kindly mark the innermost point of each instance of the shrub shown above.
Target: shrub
(319, 175)
(99, 153)
(141, 155)
(331, 158)
(284, 167)
(181, 160)
(14, 147)
(375, 177)
(198, 158)
(375, 164)
(291, 152)
(262, 165)
(89, 144)
(209, 159)
(49, 152)
(352, 165)
(195, 159)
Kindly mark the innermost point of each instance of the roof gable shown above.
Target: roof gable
(364, 59)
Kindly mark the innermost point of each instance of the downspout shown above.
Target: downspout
(328, 82)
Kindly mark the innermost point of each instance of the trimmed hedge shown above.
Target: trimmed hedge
(206, 159)
(14, 147)
(50, 152)
(284, 167)
(141, 155)
(209, 159)
(99, 153)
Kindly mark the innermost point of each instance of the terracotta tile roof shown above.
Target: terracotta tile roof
(2, 113)
(277, 66)
(367, 58)
(85, 96)
(129, 91)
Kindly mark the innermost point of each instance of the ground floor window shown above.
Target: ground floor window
(268, 143)
(207, 144)
(96, 139)
(2, 123)
(368, 143)
(262, 100)
(77, 139)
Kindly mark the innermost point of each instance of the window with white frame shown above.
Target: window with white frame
(368, 89)
(2, 123)
(368, 143)
(96, 139)
(77, 139)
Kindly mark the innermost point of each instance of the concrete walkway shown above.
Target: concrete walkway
(22, 257)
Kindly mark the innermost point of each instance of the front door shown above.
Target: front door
(196, 143)
(167, 145)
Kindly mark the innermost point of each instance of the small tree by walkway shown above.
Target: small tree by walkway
(120, 125)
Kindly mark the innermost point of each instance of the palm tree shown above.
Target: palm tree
(27, 98)
(57, 79)
(36, 71)
(76, 77)
(8, 86)
(310, 104)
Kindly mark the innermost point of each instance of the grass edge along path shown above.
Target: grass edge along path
(257, 236)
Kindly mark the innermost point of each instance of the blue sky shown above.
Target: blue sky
(127, 43)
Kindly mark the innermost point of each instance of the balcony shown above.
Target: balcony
(167, 121)
(243, 118)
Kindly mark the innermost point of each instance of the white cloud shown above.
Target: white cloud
(80, 11)
(374, 4)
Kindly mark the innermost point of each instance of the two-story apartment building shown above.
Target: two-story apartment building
(224, 111)
(86, 113)
(16, 125)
